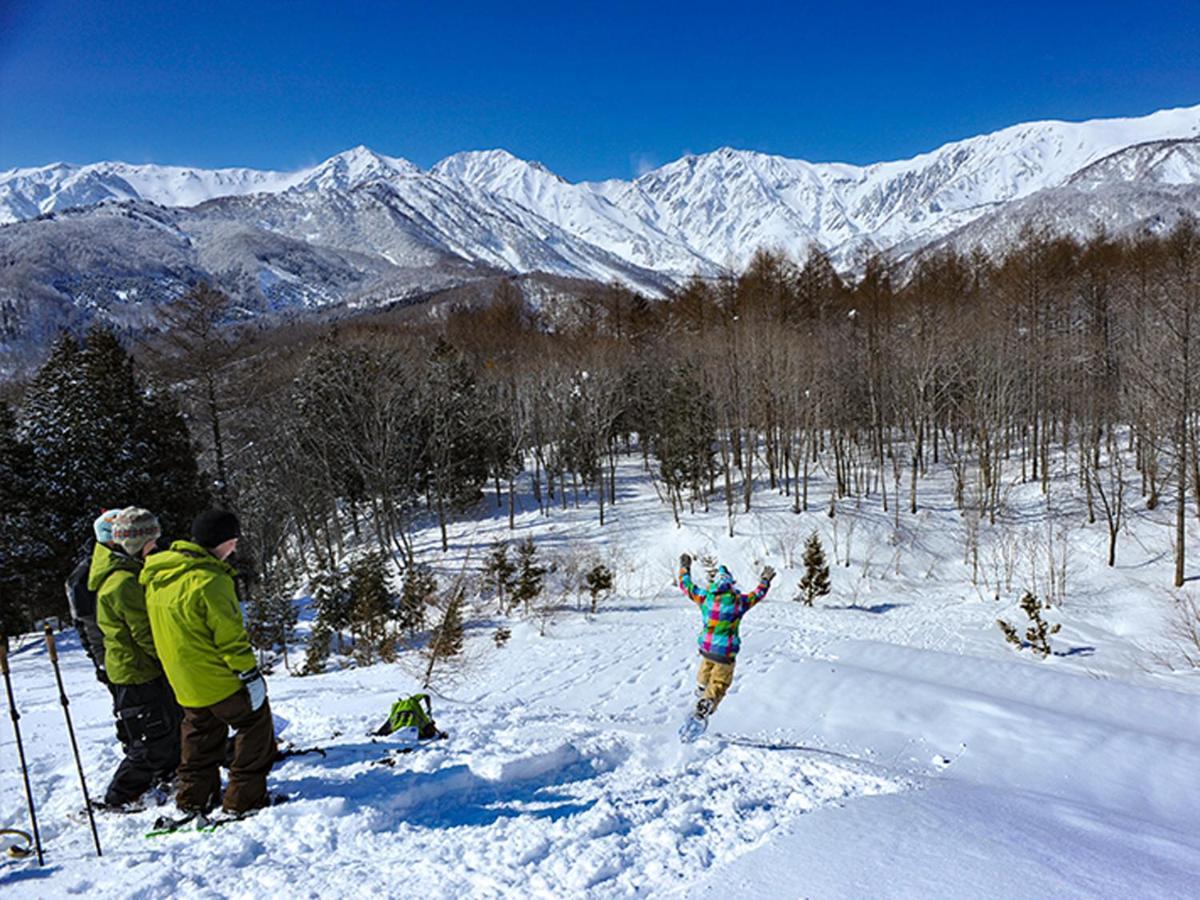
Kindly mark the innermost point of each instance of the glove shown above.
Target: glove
(685, 562)
(767, 574)
(256, 686)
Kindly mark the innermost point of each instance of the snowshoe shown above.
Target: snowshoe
(288, 750)
(171, 824)
(697, 721)
(118, 809)
(207, 822)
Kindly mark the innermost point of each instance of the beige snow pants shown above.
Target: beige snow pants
(715, 678)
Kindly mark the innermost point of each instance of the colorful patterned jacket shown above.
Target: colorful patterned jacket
(721, 607)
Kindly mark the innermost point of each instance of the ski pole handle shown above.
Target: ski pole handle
(50, 645)
(4, 654)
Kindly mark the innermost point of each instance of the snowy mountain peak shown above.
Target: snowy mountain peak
(354, 167)
(493, 169)
(698, 214)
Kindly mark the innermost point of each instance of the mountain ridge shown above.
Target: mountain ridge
(369, 222)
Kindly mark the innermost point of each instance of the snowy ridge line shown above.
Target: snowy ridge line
(695, 215)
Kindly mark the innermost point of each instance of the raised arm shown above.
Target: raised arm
(685, 580)
(764, 585)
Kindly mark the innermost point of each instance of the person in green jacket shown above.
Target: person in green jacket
(201, 639)
(146, 712)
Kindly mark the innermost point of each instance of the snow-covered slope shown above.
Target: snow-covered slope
(577, 209)
(886, 743)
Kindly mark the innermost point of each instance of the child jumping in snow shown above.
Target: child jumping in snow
(721, 607)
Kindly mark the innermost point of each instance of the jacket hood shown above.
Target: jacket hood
(182, 557)
(105, 562)
(723, 580)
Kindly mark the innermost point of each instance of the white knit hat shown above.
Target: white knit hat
(134, 528)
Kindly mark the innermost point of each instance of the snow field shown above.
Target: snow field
(516, 801)
(885, 744)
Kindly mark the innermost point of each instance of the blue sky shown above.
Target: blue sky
(592, 90)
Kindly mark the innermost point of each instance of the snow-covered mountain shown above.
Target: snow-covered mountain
(727, 204)
(579, 209)
(701, 212)
(489, 212)
(26, 193)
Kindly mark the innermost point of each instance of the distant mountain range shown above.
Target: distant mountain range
(361, 228)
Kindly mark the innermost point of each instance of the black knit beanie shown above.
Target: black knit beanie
(214, 527)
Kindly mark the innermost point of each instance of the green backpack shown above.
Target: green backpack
(407, 712)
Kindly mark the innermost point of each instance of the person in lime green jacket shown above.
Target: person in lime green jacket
(201, 639)
(146, 712)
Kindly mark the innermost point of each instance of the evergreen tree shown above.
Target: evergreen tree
(530, 573)
(331, 596)
(98, 440)
(419, 591)
(457, 449)
(320, 641)
(373, 609)
(447, 638)
(21, 548)
(683, 417)
(815, 582)
(271, 616)
(51, 423)
(1037, 635)
(499, 571)
(599, 581)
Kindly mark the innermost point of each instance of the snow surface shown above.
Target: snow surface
(887, 743)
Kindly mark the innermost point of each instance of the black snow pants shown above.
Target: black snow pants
(148, 720)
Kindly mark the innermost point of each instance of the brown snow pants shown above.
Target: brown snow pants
(715, 678)
(204, 733)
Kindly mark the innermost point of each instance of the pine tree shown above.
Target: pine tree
(419, 591)
(20, 547)
(98, 440)
(815, 582)
(457, 454)
(271, 616)
(599, 581)
(373, 610)
(447, 638)
(1037, 635)
(530, 574)
(683, 415)
(499, 570)
(331, 596)
(320, 641)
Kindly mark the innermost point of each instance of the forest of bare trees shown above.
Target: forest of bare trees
(989, 369)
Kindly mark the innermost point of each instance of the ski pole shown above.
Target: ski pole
(66, 704)
(16, 717)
